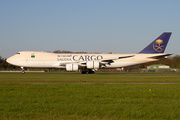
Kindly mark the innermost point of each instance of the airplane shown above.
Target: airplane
(89, 63)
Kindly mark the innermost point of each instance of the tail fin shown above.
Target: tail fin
(158, 45)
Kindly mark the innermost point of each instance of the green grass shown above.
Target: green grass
(97, 78)
(89, 101)
(27, 101)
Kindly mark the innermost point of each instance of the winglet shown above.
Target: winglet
(158, 45)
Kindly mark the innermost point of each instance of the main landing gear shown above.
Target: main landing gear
(23, 71)
(89, 71)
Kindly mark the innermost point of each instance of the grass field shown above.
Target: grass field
(22, 100)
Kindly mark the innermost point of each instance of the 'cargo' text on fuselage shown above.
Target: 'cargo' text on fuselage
(78, 57)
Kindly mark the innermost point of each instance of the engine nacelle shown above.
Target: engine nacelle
(92, 64)
(72, 67)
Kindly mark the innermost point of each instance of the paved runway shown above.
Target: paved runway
(136, 83)
(29, 73)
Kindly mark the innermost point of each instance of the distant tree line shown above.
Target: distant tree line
(64, 51)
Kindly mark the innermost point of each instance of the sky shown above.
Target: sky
(118, 26)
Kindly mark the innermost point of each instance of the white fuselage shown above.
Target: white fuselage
(55, 60)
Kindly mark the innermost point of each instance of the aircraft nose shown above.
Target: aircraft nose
(13, 60)
(8, 60)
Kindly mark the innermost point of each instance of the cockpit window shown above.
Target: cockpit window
(17, 53)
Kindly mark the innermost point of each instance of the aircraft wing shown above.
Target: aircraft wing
(110, 60)
(83, 63)
(160, 56)
(106, 60)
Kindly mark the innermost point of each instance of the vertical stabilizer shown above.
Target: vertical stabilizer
(158, 45)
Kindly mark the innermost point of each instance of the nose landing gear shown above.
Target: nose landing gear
(23, 71)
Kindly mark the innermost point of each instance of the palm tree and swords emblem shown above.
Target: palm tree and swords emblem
(157, 45)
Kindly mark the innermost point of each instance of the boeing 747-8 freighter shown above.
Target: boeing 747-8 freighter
(89, 63)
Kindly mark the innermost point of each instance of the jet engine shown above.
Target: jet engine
(72, 67)
(92, 64)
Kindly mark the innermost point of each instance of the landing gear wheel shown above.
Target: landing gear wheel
(23, 71)
(83, 72)
(91, 72)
